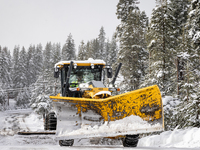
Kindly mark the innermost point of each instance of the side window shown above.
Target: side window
(62, 79)
(72, 78)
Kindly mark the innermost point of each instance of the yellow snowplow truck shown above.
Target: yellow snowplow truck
(85, 108)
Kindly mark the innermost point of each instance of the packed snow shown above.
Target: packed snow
(133, 124)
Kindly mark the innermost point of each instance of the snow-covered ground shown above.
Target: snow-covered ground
(188, 138)
(13, 121)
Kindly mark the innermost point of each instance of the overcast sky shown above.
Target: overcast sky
(25, 22)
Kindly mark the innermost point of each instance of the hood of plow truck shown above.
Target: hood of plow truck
(135, 112)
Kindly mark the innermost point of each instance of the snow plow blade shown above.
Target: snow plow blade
(134, 112)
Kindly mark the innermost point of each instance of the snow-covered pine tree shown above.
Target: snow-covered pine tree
(44, 86)
(113, 51)
(124, 9)
(9, 60)
(23, 98)
(31, 69)
(68, 50)
(22, 72)
(82, 51)
(41, 90)
(88, 49)
(179, 10)
(101, 52)
(2, 98)
(189, 108)
(161, 39)
(56, 53)
(42, 104)
(47, 57)
(194, 24)
(38, 61)
(38, 89)
(93, 49)
(131, 34)
(15, 65)
(5, 77)
(107, 49)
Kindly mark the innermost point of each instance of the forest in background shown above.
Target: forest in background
(162, 50)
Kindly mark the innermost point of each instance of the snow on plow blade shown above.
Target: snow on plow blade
(135, 112)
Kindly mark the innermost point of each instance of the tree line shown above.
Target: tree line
(165, 51)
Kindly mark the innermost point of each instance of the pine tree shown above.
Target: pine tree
(68, 50)
(47, 57)
(194, 24)
(22, 73)
(38, 60)
(101, 52)
(179, 10)
(31, 71)
(113, 51)
(82, 54)
(23, 98)
(15, 67)
(42, 89)
(56, 53)
(161, 49)
(131, 34)
(189, 109)
(124, 9)
(2, 98)
(93, 49)
(107, 49)
(5, 78)
(42, 104)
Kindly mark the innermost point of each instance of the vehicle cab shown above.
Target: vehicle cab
(78, 77)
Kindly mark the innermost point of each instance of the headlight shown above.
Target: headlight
(110, 85)
(83, 85)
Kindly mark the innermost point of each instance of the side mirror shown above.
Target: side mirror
(109, 72)
(56, 74)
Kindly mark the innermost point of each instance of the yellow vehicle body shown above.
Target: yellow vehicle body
(145, 103)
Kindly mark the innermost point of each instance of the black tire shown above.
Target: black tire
(46, 123)
(52, 121)
(131, 140)
(66, 142)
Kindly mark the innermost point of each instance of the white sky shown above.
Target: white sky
(25, 22)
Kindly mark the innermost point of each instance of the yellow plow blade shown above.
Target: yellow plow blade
(134, 112)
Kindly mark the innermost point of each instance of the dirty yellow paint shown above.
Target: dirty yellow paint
(93, 90)
(145, 103)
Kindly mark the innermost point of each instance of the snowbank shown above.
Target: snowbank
(188, 138)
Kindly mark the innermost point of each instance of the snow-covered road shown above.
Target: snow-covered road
(13, 121)
(46, 147)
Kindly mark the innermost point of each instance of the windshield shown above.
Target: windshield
(84, 75)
